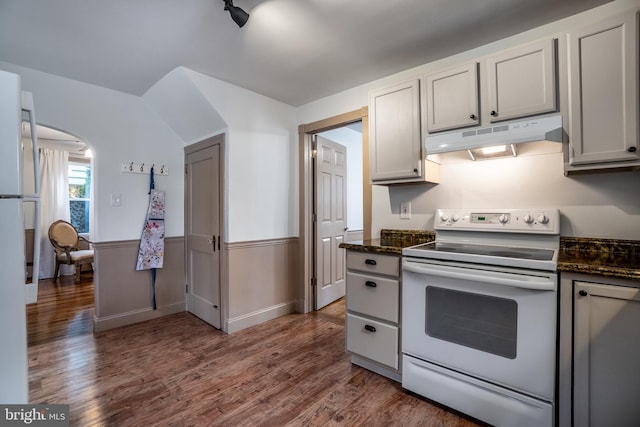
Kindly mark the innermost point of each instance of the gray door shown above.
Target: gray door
(202, 227)
(331, 217)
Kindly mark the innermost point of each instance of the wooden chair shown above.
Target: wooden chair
(65, 239)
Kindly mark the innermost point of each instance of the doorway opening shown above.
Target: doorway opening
(74, 302)
(307, 200)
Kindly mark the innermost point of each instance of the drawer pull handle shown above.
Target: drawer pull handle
(370, 261)
(371, 284)
(370, 328)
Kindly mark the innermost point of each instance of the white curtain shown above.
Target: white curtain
(54, 200)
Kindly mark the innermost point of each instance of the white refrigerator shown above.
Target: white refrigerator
(15, 106)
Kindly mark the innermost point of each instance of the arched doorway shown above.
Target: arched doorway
(66, 188)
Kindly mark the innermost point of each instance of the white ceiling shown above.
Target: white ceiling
(295, 51)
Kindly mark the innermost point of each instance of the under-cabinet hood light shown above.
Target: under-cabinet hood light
(492, 152)
(487, 151)
(507, 134)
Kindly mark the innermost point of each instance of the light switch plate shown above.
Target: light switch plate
(405, 210)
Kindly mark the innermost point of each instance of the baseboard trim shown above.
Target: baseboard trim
(131, 317)
(374, 367)
(251, 319)
(31, 293)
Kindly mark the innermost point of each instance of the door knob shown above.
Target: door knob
(472, 117)
(494, 113)
(632, 149)
(583, 293)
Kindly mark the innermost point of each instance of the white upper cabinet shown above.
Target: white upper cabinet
(603, 94)
(451, 98)
(513, 83)
(521, 81)
(396, 154)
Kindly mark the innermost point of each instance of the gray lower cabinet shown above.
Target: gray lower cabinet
(373, 312)
(606, 353)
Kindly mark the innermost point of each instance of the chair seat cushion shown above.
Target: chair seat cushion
(78, 256)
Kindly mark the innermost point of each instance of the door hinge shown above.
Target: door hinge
(186, 168)
(314, 217)
(314, 282)
(186, 288)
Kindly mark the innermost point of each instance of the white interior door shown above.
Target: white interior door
(202, 216)
(330, 225)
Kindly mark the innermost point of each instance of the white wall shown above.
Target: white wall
(597, 205)
(262, 177)
(118, 128)
(261, 148)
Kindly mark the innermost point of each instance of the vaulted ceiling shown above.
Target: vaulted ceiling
(295, 51)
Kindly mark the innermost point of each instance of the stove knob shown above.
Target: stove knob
(455, 218)
(543, 219)
(503, 219)
(528, 219)
(444, 217)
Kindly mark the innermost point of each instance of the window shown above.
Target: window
(80, 195)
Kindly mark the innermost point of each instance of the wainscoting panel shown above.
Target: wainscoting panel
(262, 281)
(124, 295)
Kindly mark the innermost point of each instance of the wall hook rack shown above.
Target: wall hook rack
(133, 167)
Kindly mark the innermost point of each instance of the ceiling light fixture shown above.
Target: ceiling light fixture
(238, 15)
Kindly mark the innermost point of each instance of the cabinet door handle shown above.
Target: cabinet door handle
(371, 284)
(370, 261)
(632, 149)
(583, 293)
(494, 113)
(472, 117)
(370, 328)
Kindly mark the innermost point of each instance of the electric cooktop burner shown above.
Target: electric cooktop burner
(489, 250)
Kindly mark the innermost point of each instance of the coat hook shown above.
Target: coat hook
(162, 170)
(142, 167)
(131, 167)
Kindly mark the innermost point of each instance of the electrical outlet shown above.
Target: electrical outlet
(405, 210)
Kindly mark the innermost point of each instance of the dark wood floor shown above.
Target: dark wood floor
(179, 371)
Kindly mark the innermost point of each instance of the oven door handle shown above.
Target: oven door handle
(539, 283)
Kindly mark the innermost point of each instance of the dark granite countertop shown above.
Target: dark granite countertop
(391, 242)
(603, 257)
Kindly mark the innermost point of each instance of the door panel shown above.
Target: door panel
(202, 215)
(452, 98)
(603, 67)
(331, 214)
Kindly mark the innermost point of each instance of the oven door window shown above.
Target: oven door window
(481, 322)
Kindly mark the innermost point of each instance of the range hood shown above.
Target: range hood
(540, 128)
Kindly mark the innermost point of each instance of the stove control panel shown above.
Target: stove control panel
(542, 221)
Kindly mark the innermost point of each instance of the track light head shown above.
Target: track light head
(238, 15)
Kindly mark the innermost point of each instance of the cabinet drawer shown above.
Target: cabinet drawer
(373, 295)
(388, 265)
(373, 340)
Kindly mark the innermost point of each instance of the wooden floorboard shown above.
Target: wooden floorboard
(179, 371)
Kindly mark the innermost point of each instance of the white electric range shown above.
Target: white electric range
(479, 310)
